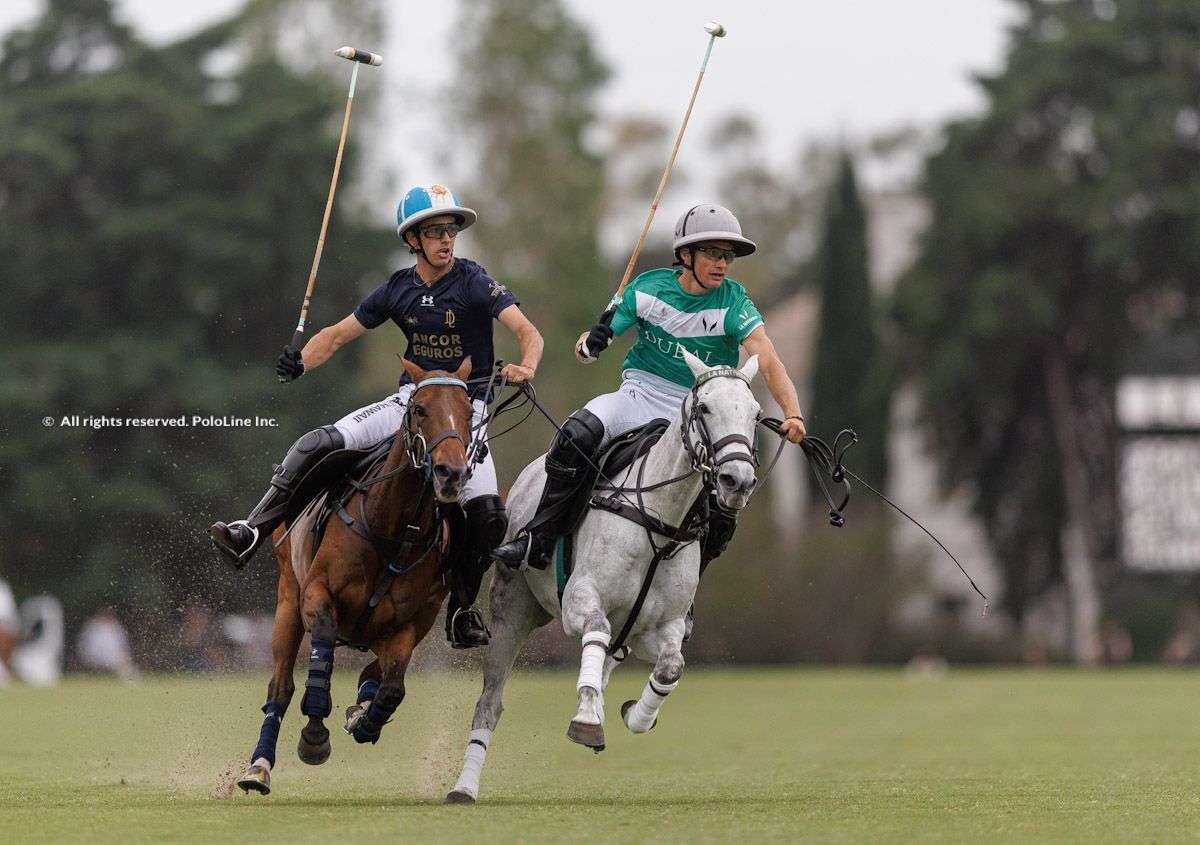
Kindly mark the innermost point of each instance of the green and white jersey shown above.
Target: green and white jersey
(709, 325)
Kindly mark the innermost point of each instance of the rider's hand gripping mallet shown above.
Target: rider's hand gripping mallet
(715, 31)
(358, 57)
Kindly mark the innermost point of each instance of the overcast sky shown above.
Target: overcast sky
(805, 69)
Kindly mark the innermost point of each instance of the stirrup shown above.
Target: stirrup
(470, 613)
(238, 559)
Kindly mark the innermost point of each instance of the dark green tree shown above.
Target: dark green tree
(156, 227)
(1063, 235)
(850, 374)
(525, 104)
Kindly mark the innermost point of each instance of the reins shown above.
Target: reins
(823, 459)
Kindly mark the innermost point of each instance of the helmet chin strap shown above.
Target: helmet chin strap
(691, 268)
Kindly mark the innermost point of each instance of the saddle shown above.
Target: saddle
(613, 459)
(325, 489)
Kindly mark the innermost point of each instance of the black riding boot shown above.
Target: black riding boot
(563, 499)
(486, 523)
(237, 541)
(721, 526)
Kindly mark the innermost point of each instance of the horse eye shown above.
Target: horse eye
(702, 408)
(418, 411)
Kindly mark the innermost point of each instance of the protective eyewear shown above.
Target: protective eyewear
(716, 253)
(440, 230)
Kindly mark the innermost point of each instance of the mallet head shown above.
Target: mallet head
(715, 29)
(363, 56)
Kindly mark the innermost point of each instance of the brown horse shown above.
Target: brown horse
(374, 581)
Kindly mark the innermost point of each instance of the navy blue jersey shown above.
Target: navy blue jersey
(444, 323)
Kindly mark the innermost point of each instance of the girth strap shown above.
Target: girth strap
(618, 644)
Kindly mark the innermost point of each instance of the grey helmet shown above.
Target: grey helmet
(708, 222)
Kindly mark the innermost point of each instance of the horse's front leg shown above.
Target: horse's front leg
(394, 655)
(285, 641)
(585, 616)
(641, 714)
(320, 617)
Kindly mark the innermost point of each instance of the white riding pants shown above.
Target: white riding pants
(374, 423)
(642, 397)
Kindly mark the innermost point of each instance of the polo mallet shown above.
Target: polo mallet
(715, 31)
(358, 57)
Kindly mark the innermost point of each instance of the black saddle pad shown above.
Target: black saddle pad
(623, 450)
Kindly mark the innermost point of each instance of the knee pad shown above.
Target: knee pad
(323, 439)
(575, 445)
(487, 520)
(307, 451)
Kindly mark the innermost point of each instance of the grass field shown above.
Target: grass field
(748, 755)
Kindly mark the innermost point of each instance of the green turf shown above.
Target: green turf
(745, 755)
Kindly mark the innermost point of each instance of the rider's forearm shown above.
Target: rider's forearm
(530, 341)
(321, 348)
(781, 387)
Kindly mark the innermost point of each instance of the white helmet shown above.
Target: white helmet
(708, 222)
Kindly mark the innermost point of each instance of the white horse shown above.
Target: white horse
(710, 444)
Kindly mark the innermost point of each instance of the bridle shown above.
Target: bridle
(420, 452)
(702, 449)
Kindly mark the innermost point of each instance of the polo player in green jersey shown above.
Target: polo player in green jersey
(696, 307)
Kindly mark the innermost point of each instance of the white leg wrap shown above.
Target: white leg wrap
(641, 716)
(264, 762)
(472, 770)
(591, 665)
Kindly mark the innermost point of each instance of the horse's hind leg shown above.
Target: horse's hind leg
(321, 619)
(285, 640)
(369, 680)
(515, 613)
(641, 714)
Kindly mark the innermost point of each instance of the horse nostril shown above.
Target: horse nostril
(446, 472)
(727, 481)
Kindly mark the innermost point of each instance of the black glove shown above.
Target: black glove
(598, 338)
(289, 367)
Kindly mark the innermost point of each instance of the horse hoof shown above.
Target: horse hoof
(354, 715)
(257, 778)
(314, 747)
(459, 797)
(626, 707)
(590, 735)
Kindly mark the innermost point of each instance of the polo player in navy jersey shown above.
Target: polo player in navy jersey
(445, 307)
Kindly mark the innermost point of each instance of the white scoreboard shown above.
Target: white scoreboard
(1159, 472)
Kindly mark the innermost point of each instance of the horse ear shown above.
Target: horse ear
(414, 372)
(464, 369)
(750, 368)
(697, 366)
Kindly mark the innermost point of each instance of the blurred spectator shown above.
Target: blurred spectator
(1183, 647)
(38, 659)
(1114, 645)
(104, 646)
(10, 629)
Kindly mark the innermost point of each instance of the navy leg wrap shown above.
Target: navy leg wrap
(316, 700)
(268, 735)
(367, 690)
